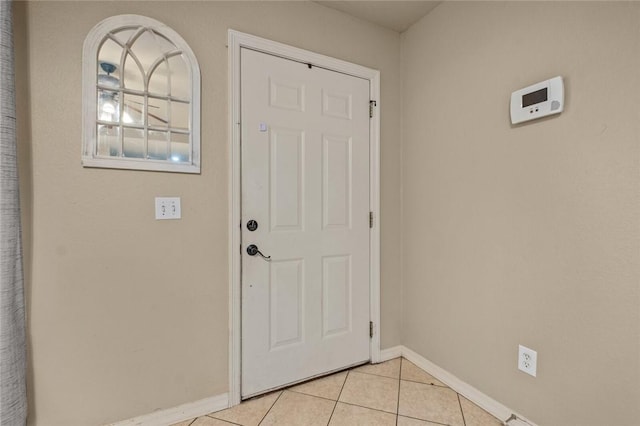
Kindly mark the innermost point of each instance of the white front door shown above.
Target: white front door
(305, 183)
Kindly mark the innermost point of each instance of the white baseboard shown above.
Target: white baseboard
(220, 402)
(180, 413)
(484, 401)
(390, 353)
(517, 422)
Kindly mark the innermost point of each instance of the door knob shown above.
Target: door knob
(252, 250)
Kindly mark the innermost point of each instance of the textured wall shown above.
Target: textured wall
(128, 314)
(530, 234)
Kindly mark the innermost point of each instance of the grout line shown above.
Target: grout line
(428, 384)
(374, 374)
(313, 396)
(339, 395)
(292, 388)
(335, 404)
(423, 420)
(402, 359)
(461, 410)
(318, 377)
(368, 408)
(424, 383)
(193, 421)
(216, 418)
(355, 369)
(270, 408)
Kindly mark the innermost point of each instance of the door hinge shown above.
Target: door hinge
(370, 219)
(370, 328)
(372, 104)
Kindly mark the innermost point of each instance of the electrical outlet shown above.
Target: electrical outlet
(527, 360)
(168, 208)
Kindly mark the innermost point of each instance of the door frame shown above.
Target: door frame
(236, 41)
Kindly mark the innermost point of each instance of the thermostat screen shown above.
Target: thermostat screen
(534, 97)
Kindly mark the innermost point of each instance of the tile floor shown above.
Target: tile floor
(394, 393)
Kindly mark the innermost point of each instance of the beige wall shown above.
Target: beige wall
(127, 314)
(529, 234)
(511, 235)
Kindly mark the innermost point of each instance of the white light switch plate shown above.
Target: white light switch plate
(168, 208)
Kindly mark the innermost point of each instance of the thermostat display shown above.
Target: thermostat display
(534, 97)
(538, 100)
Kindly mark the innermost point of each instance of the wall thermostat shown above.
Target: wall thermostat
(538, 100)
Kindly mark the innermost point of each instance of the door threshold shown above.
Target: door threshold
(308, 379)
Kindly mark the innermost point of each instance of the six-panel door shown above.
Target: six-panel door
(305, 181)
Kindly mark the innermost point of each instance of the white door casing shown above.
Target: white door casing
(282, 336)
(305, 180)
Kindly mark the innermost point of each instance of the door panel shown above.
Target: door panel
(286, 179)
(305, 180)
(287, 309)
(336, 182)
(336, 295)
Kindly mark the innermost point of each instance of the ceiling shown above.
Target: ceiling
(397, 15)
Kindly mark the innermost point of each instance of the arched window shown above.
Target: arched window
(141, 97)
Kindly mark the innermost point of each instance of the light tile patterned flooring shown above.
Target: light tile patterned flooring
(393, 393)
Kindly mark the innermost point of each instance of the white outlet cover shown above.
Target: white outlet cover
(168, 208)
(527, 360)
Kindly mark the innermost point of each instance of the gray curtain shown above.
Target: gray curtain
(13, 397)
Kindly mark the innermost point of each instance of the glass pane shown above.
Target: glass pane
(180, 78)
(108, 105)
(108, 141)
(179, 115)
(157, 112)
(149, 47)
(157, 145)
(180, 147)
(159, 83)
(133, 143)
(165, 44)
(133, 77)
(133, 109)
(108, 62)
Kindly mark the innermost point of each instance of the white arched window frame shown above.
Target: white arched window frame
(124, 31)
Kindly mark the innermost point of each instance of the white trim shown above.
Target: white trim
(479, 398)
(131, 164)
(235, 264)
(390, 353)
(517, 422)
(237, 40)
(90, 48)
(180, 413)
(374, 201)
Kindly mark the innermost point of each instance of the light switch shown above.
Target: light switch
(168, 208)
